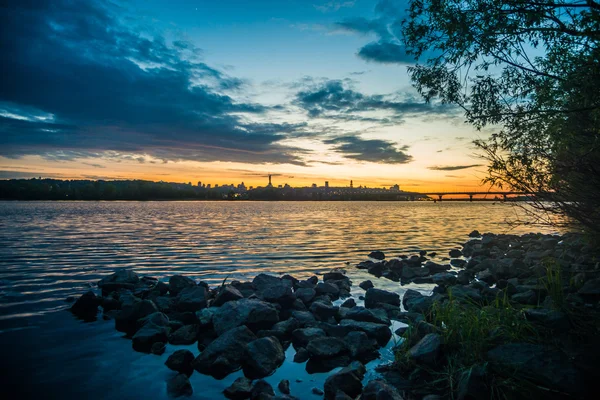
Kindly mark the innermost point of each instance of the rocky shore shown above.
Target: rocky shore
(510, 316)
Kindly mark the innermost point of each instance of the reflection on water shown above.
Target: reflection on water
(51, 250)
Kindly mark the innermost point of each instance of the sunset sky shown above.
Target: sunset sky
(222, 92)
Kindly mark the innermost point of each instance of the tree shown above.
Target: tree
(529, 71)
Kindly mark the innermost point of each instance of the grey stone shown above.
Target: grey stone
(263, 357)
(86, 307)
(366, 285)
(455, 253)
(348, 303)
(181, 361)
(377, 255)
(187, 334)
(154, 329)
(262, 390)
(179, 282)
(348, 380)
(192, 298)
(256, 314)
(427, 350)
(305, 294)
(179, 386)
(375, 297)
(227, 293)
(326, 347)
(376, 315)
(284, 386)
(301, 337)
(323, 311)
(240, 389)
(378, 389)
(301, 355)
(379, 332)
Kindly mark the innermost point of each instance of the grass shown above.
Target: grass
(553, 282)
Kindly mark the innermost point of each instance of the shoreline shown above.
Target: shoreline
(267, 306)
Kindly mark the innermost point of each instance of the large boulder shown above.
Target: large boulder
(305, 294)
(262, 390)
(122, 279)
(348, 380)
(375, 297)
(179, 386)
(192, 298)
(547, 367)
(379, 332)
(366, 285)
(323, 311)
(263, 357)
(225, 354)
(409, 296)
(376, 315)
(155, 329)
(360, 346)
(187, 334)
(427, 350)
(377, 255)
(126, 319)
(227, 293)
(326, 347)
(179, 282)
(181, 361)
(590, 291)
(378, 389)
(240, 389)
(255, 314)
(301, 337)
(86, 307)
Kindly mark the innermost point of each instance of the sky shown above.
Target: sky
(223, 92)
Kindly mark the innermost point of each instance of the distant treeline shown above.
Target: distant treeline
(54, 189)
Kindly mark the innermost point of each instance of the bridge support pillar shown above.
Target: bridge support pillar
(440, 197)
(504, 197)
(470, 197)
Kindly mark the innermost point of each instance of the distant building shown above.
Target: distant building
(208, 186)
(327, 184)
(199, 184)
(270, 185)
(351, 184)
(396, 188)
(314, 185)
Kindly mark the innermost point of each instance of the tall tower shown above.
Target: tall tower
(351, 184)
(326, 184)
(270, 184)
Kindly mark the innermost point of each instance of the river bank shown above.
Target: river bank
(254, 325)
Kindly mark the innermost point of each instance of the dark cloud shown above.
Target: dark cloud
(337, 99)
(371, 150)
(77, 81)
(387, 28)
(453, 167)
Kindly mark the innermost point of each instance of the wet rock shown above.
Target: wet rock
(436, 268)
(155, 329)
(326, 347)
(486, 276)
(349, 303)
(158, 348)
(528, 297)
(179, 386)
(225, 354)
(427, 350)
(378, 389)
(240, 389)
(301, 337)
(179, 282)
(262, 390)
(458, 263)
(590, 290)
(86, 307)
(323, 311)
(304, 317)
(317, 391)
(376, 315)
(475, 234)
(348, 380)
(359, 345)
(377, 255)
(255, 314)
(551, 319)
(465, 293)
(334, 274)
(321, 365)
(366, 285)
(192, 298)
(444, 279)
(263, 357)
(421, 305)
(305, 294)
(301, 355)
(379, 332)
(281, 294)
(327, 288)
(455, 253)
(181, 361)
(187, 334)
(375, 297)
(472, 384)
(284, 386)
(409, 296)
(122, 279)
(550, 368)
(285, 328)
(227, 293)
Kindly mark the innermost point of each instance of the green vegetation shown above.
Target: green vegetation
(529, 73)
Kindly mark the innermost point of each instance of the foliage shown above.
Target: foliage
(553, 282)
(530, 72)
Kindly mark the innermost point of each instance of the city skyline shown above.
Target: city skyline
(223, 91)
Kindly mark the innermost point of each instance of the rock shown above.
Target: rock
(547, 367)
(155, 328)
(187, 334)
(455, 253)
(472, 384)
(301, 355)
(225, 354)
(435, 267)
(444, 278)
(181, 361)
(366, 285)
(255, 314)
(359, 344)
(465, 293)
(304, 317)
(348, 380)
(590, 290)
(284, 386)
(86, 307)
(377, 255)
(240, 389)
(192, 298)
(349, 303)
(122, 279)
(263, 357)
(326, 347)
(262, 390)
(427, 350)
(317, 391)
(378, 389)
(158, 348)
(305, 294)
(376, 315)
(379, 332)
(280, 293)
(475, 234)
(335, 274)
(486, 276)
(458, 263)
(554, 320)
(528, 297)
(179, 385)
(227, 293)
(409, 296)
(179, 282)
(375, 297)
(285, 328)
(301, 337)
(328, 288)
(323, 311)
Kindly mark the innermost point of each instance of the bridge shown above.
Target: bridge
(471, 194)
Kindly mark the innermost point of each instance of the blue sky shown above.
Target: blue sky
(221, 91)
